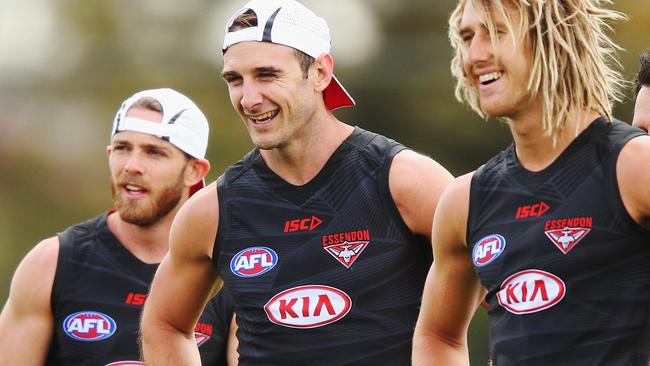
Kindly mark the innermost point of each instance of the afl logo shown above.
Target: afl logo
(488, 249)
(254, 261)
(89, 326)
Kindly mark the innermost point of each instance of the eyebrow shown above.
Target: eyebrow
(161, 146)
(257, 70)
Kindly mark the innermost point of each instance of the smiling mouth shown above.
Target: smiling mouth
(487, 79)
(133, 189)
(263, 117)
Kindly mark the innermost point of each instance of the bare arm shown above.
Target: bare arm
(233, 342)
(633, 173)
(184, 282)
(416, 184)
(452, 291)
(26, 322)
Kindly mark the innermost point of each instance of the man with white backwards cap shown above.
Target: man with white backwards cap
(76, 298)
(320, 233)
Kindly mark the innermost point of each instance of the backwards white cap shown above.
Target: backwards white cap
(289, 23)
(183, 124)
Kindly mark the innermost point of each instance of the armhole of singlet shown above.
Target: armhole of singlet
(615, 200)
(473, 205)
(383, 180)
(224, 218)
(66, 244)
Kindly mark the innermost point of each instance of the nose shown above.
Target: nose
(480, 48)
(133, 164)
(251, 95)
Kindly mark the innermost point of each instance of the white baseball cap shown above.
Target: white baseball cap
(289, 23)
(183, 124)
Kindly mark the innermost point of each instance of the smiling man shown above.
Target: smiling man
(76, 298)
(321, 233)
(567, 284)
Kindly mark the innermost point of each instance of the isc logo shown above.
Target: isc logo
(535, 210)
(89, 326)
(488, 249)
(254, 261)
(308, 306)
(530, 291)
(306, 224)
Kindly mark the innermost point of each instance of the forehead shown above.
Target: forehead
(252, 55)
(475, 14)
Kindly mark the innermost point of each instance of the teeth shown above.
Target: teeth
(489, 77)
(133, 188)
(264, 116)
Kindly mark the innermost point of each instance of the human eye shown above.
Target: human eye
(232, 79)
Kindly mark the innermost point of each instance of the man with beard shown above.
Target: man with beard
(76, 297)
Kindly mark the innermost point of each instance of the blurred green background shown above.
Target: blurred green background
(66, 65)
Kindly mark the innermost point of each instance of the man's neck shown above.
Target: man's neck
(536, 150)
(305, 155)
(149, 244)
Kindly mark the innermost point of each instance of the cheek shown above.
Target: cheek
(235, 96)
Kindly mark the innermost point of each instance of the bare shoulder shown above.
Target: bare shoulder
(409, 165)
(416, 183)
(454, 207)
(31, 286)
(633, 173)
(195, 225)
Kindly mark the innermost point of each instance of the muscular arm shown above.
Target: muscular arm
(184, 282)
(452, 291)
(633, 173)
(416, 183)
(26, 322)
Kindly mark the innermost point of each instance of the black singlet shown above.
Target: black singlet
(566, 268)
(97, 296)
(323, 274)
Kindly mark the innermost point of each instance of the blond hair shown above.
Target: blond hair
(574, 64)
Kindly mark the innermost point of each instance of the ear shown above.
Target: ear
(324, 67)
(195, 171)
(109, 150)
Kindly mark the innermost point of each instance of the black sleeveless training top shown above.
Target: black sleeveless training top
(326, 273)
(566, 268)
(97, 296)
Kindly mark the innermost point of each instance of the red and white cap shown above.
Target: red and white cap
(289, 23)
(183, 124)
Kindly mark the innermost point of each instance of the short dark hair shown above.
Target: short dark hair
(643, 76)
(249, 19)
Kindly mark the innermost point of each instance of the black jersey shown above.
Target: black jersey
(326, 273)
(566, 268)
(98, 293)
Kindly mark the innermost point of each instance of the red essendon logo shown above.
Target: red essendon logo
(308, 306)
(200, 338)
(346, 247)
(535, 210)
(346, 253)
(306, 224)
(567, 233)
